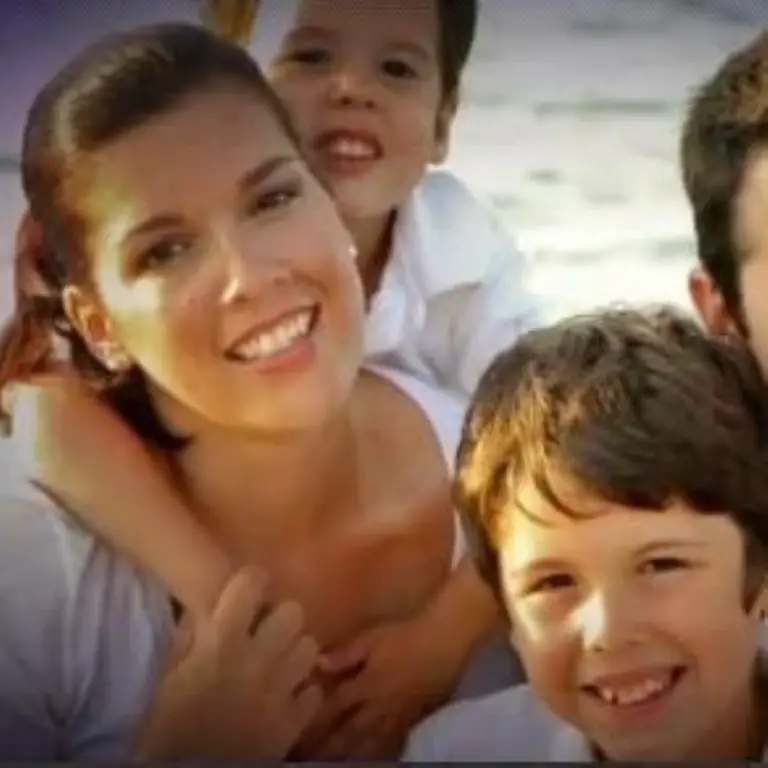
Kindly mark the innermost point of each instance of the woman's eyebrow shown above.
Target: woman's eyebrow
(263, 171)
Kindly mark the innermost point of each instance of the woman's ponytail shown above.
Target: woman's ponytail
(27, 338)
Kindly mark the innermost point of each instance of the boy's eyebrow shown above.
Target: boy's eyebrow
(312, 32)
(307, 31)
(652, 546)
(554, 564)
(414, 49)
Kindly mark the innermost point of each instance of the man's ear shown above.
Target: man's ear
(443, 126)
(709, 303)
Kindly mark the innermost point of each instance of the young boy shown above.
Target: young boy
(373, 89)
(724, 157)
(612, 475)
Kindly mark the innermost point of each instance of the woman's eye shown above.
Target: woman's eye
(272, 199)
(163, 253)
(398, 69)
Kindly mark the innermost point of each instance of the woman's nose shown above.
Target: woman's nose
(247, 272)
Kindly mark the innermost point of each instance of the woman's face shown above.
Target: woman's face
(221, 269)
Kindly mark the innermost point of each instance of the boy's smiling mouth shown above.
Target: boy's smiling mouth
(635, 690)
(347, 149)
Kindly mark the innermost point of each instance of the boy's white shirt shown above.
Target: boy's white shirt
(510, 726)
(455, 291)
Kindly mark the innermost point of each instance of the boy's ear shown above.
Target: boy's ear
(443, 125)
(709, 303)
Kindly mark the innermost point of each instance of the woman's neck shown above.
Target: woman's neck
(260, 493)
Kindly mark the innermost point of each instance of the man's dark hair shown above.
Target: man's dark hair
(725, 126)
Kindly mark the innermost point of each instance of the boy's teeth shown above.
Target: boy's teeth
(276, 340)
(633, 694)
(352, 149)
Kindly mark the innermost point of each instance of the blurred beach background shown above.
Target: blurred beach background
(569, 125)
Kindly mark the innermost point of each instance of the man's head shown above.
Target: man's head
(724, 157)
(612, 481)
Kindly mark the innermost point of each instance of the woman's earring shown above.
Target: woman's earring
(114, 357)
(353, 253)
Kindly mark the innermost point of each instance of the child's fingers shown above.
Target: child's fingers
(197, 579)
(277, 635)
(181, 642)
(243, 598)
(349, 658)
(297, 668)
(306, 706)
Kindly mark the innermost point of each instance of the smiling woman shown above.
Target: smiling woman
(201, 280)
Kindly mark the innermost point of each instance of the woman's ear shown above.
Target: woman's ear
(88, 320)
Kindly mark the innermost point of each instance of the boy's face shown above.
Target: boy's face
(631, 624)
(752, 235)
(362, 81)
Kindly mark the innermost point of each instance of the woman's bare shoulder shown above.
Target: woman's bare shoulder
(408, 412)
(405, 424)
(399, 430)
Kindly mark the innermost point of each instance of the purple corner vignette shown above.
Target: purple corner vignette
(38, 36)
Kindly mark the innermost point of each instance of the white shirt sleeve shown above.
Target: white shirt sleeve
(81, 639)
(490, 316)
(509, 726)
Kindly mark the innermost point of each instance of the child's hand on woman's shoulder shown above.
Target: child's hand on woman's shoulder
(240, 684)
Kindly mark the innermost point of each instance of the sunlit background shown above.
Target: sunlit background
(569, 125)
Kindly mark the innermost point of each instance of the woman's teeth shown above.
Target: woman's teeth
(274, 341)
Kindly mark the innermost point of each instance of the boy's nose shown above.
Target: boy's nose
(349, 89)
(608, 621)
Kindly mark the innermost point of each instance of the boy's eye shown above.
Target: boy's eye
(663, 565)
(552, 583)
(308, 56)
(398, 69)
